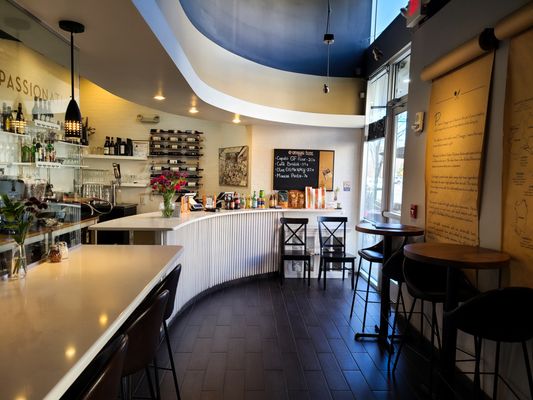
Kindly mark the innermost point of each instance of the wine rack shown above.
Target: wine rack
(177, 151)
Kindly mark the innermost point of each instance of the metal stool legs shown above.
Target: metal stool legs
(172, 366)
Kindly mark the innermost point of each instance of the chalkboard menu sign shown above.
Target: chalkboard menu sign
(296, 169)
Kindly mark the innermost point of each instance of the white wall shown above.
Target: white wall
(345, 143)
(456, 23)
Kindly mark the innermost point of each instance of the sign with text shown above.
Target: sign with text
(296, 169)
(454, 150)
(518, 161)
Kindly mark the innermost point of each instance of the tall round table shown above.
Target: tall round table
(388, 231)
(454, 257)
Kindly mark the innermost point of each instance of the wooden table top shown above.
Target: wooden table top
(457, 255)
(389, 229)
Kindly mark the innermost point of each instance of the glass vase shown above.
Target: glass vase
(18, 263)
(168, 206)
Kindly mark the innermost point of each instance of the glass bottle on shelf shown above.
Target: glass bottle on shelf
(254, 200)
(25, 151)
(106, 146)
(8, 124)
(42, 112)
(112, 146)
(35, 109)
(20, 123)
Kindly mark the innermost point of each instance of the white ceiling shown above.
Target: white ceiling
(119, 52)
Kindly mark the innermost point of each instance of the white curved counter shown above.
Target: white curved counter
(218, 247)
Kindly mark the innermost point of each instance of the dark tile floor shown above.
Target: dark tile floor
(260, 340)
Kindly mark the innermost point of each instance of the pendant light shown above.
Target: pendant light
(329, 39)
(73, 123)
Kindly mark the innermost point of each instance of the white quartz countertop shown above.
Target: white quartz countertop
(155, 222)
(54, 321)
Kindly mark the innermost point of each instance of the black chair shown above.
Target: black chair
(427, 282)
(170, 283)
(498, 315)
(293, 245)
(372, 254)
(332, 235)
(143, 335)
(101, 379)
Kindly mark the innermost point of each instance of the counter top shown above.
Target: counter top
(155, 222)
(55, 321)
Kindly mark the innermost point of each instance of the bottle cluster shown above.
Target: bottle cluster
(119, 147)
(13, 123)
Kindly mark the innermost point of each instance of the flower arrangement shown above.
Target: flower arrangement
(18, 217)
(167, 184)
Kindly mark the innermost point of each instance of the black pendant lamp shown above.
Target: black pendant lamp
(73, 124)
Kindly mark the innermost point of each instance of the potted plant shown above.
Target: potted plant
(167, 184)
(17, 218)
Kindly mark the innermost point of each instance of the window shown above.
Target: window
(384, 147)
(383, 13)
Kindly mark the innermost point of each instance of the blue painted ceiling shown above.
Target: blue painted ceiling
(287, 34)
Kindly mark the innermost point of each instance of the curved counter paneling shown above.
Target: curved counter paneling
(217, 247)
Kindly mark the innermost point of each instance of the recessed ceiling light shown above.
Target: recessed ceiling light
(193, 110)
(159, 97)
(237, 119)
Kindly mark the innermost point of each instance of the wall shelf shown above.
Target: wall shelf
(104, 157)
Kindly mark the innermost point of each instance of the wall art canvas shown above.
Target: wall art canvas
(233, 166)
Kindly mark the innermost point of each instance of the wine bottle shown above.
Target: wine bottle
(41, 110)
(9, 121)
(112, 146)
(121, 147)
(20, 123)
(35, 109)
(106, 146)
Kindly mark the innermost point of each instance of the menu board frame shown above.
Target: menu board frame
(294, 169)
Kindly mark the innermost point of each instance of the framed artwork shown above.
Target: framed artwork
(326, 166)
(141, 148)
(233, 166)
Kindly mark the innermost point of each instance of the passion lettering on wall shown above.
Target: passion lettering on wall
(25, 86)
(26, 74)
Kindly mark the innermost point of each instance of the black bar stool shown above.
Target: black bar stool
(293, 234)
(101, 379)
(426, 282)
(372, 254)
(332, 235)
(499, 315)
(143, 335)
(170, 283)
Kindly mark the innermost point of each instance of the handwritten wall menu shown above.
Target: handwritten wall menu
(518, 161)
(457, 115)
(295, 169)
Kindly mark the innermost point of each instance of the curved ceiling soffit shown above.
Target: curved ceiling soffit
(159, 24)
(287, 35)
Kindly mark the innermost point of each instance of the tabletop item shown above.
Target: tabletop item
(63, 247)
(54, 255)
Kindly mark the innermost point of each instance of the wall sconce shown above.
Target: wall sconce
(148, 120)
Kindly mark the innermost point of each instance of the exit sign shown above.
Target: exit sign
(414, 13)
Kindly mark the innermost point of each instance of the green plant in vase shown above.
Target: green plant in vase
(17, 218)
(167, 184)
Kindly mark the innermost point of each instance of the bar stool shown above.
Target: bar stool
(371, 254)
(101, 379)
(497, 315)
(143, 335)
(427, 282)
(170, 283)
(332, 235)
(291, 231)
